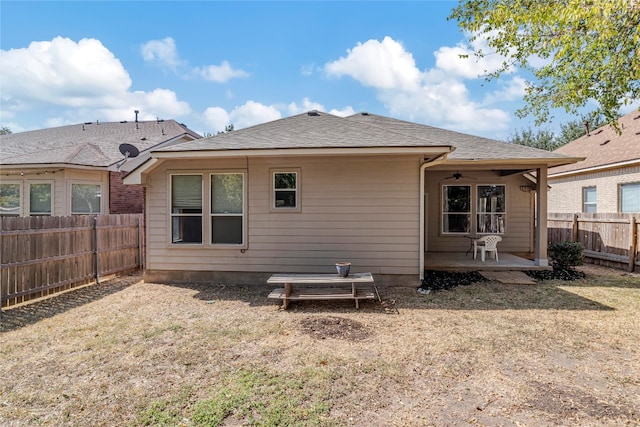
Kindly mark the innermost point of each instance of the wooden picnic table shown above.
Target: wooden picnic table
(322, 287)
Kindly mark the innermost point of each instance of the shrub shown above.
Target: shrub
(565, 255)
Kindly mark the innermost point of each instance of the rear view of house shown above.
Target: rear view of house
(299, 194)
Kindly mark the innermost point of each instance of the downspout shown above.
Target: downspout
(438, 160)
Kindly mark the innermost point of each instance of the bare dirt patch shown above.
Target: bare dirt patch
(334, 327)
(130, 353)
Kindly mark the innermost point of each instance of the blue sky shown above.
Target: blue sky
(212, 63)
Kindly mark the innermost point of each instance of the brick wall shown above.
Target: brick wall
(565, 195)
(124, 199)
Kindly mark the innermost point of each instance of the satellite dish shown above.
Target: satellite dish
(129, 150)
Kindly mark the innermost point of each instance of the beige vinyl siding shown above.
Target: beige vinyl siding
(359, 209)
(518, 235)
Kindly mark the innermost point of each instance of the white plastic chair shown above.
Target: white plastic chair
(486, 244)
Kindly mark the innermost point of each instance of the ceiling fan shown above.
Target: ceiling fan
(455, 176)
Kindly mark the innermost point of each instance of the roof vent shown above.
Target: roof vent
(364, 113)
(137, 112)
(313, 113)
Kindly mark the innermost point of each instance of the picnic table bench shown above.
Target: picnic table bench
(330, 287)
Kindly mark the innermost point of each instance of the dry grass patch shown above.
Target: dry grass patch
(134, 353)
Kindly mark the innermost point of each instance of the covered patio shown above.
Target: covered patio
(460, 261)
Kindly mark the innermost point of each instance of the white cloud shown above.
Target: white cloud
(162, 51)
(80, 80)
(382, 65)
(61, 72)
(436, 96)
(165, 53)
(253, 113)
(219, 73)
(509, 90)
(307, 105)
(468, 65)
(216, 118)
(248, 114)
(346, 111)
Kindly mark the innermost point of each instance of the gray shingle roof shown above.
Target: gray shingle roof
(603, 146)
(88, 144)
(468, 147)
(307, 130)
(322, 130)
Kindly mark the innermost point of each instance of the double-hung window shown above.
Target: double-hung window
(86, 199)
(186, 209)
(589, 200)
(286, 190)
(10, 198)
(456, 209)
(40, 199)
(491, 209)
(630, 197)
(227, 208)
(35, 201)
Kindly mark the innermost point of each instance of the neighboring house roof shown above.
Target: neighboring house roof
(321, 130)
(604, 147)
(89, 144)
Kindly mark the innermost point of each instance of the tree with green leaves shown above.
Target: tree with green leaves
(541, 138)
(575, 129)
(547, 140)
(5, 131)
(589, 50)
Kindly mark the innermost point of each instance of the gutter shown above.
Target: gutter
(592, 169)
(434, 162)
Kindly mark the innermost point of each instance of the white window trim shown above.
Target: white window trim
(477, 212)
(208, 230)
(21, 207)
(80, 182)
(272, 201)
(28, 198)
(443, 213)
(584, 200)
(620, 186)
(172, 215)
(473, 221)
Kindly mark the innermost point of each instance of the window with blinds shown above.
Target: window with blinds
(186, 209)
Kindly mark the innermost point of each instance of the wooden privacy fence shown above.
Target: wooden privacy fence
(44, 255)
(611, 239)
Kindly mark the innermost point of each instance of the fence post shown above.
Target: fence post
(139, 244)
(633, 246)
(575, 228)
(95, 251)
